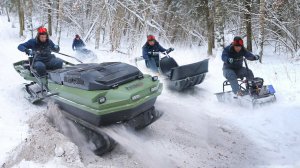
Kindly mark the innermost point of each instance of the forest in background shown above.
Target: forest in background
(125, 23)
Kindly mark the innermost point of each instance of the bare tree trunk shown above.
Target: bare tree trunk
(213, 34)
(104, 34)
(60, 14)
(248, 4)
(57, 16)
(219, 23)
(174, 35)
(209, 26)
(167, 4)
(23, 14)
(261, 28)
(104, 30)
(99, 27)
(21, 17)
(49, 18)
(30, 6)
(7, 13)
(97, 35)
(117, 27)
(279, 9)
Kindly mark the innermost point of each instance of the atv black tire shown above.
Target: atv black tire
(102, 142)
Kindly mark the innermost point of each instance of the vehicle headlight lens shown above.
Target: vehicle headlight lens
(154, 89)
(154, 78)
(101, 100)
(135, 97)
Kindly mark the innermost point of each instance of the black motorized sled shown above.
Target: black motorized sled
(85, 54)
(180, 77)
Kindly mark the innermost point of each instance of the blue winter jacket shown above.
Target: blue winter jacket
(155, 48)
(229, 52)
(42, 50)
(77, 44)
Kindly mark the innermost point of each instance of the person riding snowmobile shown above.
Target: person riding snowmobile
(151, 51)
(233, 69)
(78, 44)
(41, 48)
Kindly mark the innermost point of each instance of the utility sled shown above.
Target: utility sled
(181, 77)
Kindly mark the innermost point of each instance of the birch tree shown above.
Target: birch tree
(219, 20)
(49, 17)
(60, 15)
(261, 28)
(30, 8)
(248, 6)
(21, 17)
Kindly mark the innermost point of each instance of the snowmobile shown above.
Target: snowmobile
(255, 93)
(181, 77)
(96, 95)
(85, 53)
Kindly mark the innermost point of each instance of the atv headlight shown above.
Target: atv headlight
(154, 78)
(135, 97)
(154, 89)
(101, 100)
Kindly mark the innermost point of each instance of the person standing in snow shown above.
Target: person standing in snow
(41, 48)
(78, 44)
(151, 51)
(233, 69)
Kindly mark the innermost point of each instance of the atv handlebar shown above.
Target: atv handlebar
(153, 52)
(165, 52)
(70, 56)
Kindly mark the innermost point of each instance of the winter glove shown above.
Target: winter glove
(29, 51)
(56, 48)
(170, 50)
(256, 57)
(230, 60)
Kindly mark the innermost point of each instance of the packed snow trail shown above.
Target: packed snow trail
(195, 130)
(15, 110)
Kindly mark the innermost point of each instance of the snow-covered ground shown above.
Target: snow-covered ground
(195, 130)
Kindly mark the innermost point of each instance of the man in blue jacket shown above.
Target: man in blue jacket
(151, 53)
(78, 44)
(233, 69)
(41, 48)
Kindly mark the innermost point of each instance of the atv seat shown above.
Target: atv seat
(33, 72)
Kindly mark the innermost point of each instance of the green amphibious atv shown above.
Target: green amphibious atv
(96, 95)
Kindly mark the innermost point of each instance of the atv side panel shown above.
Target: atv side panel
(106, 119)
